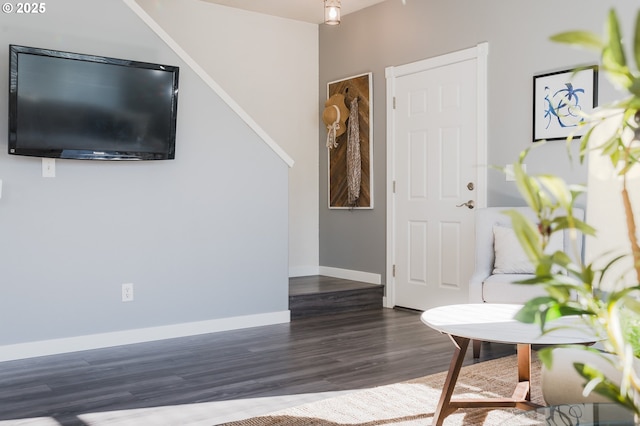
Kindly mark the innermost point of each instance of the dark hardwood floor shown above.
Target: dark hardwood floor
(322, 354)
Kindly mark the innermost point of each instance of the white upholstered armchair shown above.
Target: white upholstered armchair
(500, 261)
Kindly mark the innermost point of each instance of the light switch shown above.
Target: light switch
(508, 172)
(48, 167)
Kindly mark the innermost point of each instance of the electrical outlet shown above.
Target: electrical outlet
(127, 292)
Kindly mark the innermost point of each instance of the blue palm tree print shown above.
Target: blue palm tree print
(563, 106)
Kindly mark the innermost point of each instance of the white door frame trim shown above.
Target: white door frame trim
(480, 53)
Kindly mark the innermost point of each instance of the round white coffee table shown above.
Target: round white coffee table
(492, 322)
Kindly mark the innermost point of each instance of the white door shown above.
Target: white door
(437, 180)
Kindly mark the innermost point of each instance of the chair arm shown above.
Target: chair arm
(475, 285)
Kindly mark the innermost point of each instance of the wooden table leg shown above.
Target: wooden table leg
(523, 389)
(521, 397)
(477, 345)
(444, 408)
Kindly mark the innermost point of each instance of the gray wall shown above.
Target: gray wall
(390, 34)
(260, 50)
(202, 237)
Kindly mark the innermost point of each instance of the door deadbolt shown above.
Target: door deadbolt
(470, 186)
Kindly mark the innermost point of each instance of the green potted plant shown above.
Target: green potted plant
(595, 289)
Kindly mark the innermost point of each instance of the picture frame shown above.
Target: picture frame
(361, 87)
(561, 102)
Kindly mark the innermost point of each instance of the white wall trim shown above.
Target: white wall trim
(482, 123)
(141, 335)
(303, 271)
(138, 10)
(390, 297)
(347, 274)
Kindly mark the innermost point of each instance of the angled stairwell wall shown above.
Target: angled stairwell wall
(269, 66)
(203, 238)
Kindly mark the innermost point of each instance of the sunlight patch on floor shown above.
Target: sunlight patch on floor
(205, 413)
(39, 421)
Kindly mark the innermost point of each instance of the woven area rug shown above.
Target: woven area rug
(414, 402)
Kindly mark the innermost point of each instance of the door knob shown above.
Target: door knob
(470, 204)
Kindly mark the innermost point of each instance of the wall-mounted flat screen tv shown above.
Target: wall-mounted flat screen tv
(71, 105)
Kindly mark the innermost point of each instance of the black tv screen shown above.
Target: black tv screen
(71, 105)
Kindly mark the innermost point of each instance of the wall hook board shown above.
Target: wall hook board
(357, 87)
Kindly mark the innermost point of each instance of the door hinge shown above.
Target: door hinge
(394, 186)
(393, 271)
(394, 102)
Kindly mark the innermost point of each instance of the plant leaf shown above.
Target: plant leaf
(558, 189)
(526, 185)
(636, 42)
(527, 234)
(534, 310)
(585, 39)
(545, 355)
(635, 86)
(603, 386)
(615, 40)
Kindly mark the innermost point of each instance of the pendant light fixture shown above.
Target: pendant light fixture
(332, 12)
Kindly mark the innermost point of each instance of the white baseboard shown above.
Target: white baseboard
(303, 271)
(141, 335)
(347, 274)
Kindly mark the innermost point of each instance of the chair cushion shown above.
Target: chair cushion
(499, 288)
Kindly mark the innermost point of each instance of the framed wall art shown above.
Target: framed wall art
(350, 149)
(561, 102)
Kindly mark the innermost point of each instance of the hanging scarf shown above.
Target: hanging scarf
(354, 162)
(332, 129)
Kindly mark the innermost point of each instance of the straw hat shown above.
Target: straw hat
(335, 112)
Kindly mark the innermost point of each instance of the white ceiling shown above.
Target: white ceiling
(301, 10)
